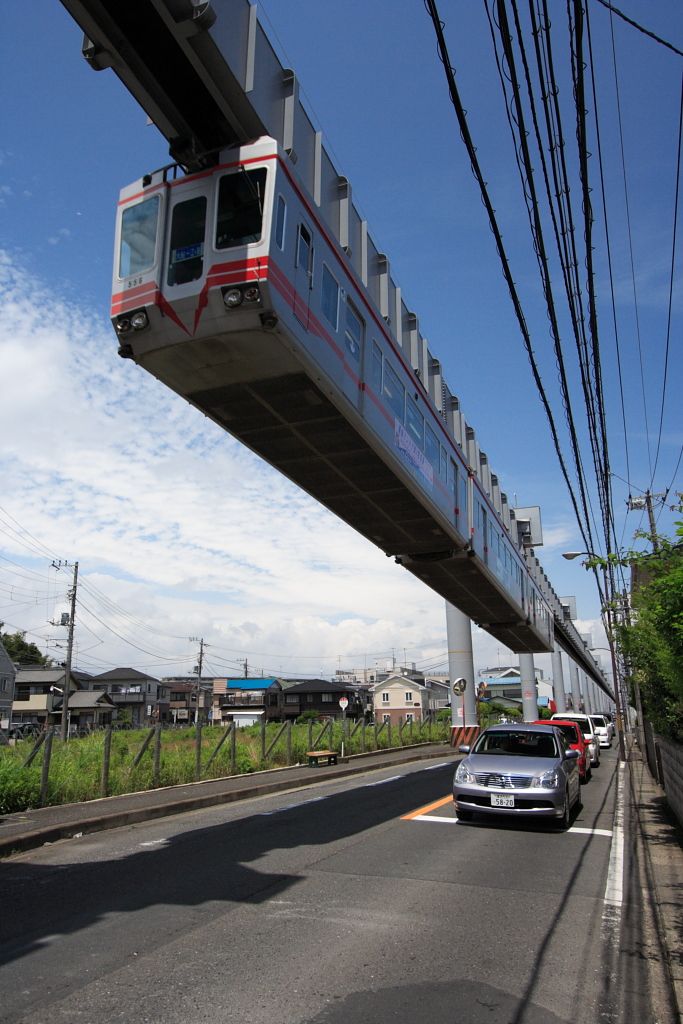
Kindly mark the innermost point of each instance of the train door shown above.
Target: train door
(186, 240)
(303, 274)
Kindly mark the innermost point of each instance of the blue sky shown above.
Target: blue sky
(187, 533)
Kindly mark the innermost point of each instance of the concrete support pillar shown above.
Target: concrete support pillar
(587, 693)
(461, 666)
(558, 679)
(574, 680)
(529, 689)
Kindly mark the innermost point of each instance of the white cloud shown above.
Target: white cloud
(174, 520)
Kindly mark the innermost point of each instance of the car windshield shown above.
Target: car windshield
(516, 742)
(599, 721)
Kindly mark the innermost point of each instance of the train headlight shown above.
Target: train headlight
(252, 293)
(232, 297)
(123, 325)
(139, 320)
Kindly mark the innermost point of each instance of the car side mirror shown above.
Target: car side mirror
(464, 748)
(571, 755)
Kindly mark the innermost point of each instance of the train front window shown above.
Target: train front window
(138, 237)
(186, 255)
(240, 208)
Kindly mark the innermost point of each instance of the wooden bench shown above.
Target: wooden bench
(316, 757)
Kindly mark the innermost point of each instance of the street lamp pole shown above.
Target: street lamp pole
(569, 555)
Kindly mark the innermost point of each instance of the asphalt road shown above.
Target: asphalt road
(344, 903)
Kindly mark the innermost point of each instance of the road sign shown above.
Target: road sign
(343, 703)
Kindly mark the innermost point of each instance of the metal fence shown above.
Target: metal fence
(665, 761)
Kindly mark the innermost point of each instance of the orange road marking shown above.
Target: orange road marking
(429, 807)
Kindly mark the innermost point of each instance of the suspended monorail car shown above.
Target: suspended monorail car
(230, 288)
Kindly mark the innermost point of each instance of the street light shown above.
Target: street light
(570, 555)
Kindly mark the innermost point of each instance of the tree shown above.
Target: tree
(20, 651)
(652, 643)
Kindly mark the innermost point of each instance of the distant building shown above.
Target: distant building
(323, 697)
(7, 677)
(506, 682)
(140, 698)
(398, 698)
(182, 699)
(246, 701)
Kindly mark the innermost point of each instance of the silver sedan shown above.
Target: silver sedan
(518, 770)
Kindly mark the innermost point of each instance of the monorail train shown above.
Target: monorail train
(229, 288)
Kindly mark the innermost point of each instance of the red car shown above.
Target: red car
(575, 739)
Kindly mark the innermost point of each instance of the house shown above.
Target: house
(38, 691)
(140, 699)
(323, 697)
(87, 710)
(507, 682)
(7, 677)
(182, 699)
(400, 699)
(247, 701)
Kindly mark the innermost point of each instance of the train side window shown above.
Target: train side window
(353, 334)
(304, 249)
(432, 448)
(240, 208)
(454, 485)
(280, 222)
(393, 391)
(415, 424)
(376, 369)
(186, 251)
(330, 298)
(139, 225)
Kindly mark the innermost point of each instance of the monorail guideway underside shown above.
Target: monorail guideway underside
(208, 77)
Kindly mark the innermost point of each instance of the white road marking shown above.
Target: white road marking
(454, 821)
(154, 842)
(382, 782)
(615, 873)
(433, 767)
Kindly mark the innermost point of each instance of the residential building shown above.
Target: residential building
(7, 676)
(400, 699)
(139, 699)
(323, 697)
(247, 701)
(505, 684)
(38, 691)
(182, 699)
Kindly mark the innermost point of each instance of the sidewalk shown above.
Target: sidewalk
(27, 830)
(661, 841)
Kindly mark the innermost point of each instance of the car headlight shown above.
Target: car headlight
(463, 774)
(232, 297)
(549, 780)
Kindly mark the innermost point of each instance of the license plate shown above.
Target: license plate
(502, 801)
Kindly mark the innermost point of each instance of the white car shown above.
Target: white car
(589, 735)
(602, 730)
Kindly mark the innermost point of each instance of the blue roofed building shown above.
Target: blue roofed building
(246, 701)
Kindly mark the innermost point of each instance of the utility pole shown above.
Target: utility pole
(69, 654)
(246, 668)
(200, 662)
(646, 502)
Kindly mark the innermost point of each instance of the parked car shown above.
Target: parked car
(518, 770)
(574, 737)
(586, 728)
(602, 730)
